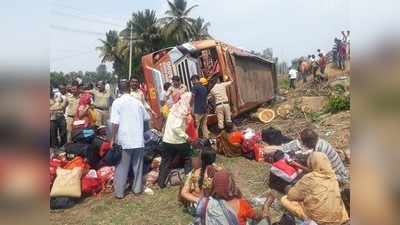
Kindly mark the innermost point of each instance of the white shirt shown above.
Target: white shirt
(292, 74)
(129, 114)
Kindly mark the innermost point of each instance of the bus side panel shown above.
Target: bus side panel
(152, 91)
(255, 82)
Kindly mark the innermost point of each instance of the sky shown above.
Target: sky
(290, 27)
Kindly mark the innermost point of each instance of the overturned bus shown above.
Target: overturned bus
(254, 78)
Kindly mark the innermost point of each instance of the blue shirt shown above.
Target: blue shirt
(200, 99)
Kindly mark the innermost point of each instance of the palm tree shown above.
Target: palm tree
(114, 50)
(200, 29)
(109, 47)
(177, 24)
(146, 33)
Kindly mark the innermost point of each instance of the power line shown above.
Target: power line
(68, 29)
(81, 10)
(85, 18)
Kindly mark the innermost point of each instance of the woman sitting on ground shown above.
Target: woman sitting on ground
(199, 179)
(316, 195)
(226, 205)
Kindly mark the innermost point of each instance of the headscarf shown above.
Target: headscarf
(85, 98)
(320, 165)
(181, 109)
(223, 186)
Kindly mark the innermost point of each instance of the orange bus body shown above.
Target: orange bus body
(254, 78)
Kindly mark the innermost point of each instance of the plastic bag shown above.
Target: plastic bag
(106, 174)
(91, 185)
(248, 144)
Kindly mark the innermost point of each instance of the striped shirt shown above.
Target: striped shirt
(324, 147)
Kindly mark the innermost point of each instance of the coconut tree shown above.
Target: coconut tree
(146, 34)
(177, 24)
(115, 50)
(200, 30)
(108, 50)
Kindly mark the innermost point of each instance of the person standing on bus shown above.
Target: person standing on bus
(222, 107)
(176, 90)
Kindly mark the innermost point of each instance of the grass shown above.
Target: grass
(283, 83)
(163, 207)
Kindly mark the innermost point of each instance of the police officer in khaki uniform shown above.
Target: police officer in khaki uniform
(101, 103)
(73, 103)
(222, 107)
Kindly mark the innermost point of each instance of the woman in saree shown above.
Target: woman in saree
(226, 205)
(316, 196)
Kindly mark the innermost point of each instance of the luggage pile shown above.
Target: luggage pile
(82, 170)
(87, 166)
(246, 143)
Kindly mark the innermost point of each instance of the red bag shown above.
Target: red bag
(91, 185)
(248, 145)
(191, 128)
(258, 152)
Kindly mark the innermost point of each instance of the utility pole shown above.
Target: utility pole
(130, 54)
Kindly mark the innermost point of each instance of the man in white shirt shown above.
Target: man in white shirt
(292, 77)
(127, 119)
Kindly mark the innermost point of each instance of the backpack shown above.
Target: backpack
(113, 156)
(175, 178)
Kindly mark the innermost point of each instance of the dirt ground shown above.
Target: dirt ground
(163, 208)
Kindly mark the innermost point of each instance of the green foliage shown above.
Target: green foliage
(200, 29)
(340, 89)
(338, 103)
(177, 24)
(314, 116)
(150, 34)
(283, 83)
(57, 78)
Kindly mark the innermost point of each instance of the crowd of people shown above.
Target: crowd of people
(315, 64)
(208, 191)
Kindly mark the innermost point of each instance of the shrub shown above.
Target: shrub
(338, 103)
(283, 83)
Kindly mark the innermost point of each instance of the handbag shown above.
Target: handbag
(113, 156)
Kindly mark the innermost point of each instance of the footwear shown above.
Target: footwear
(148, 191)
